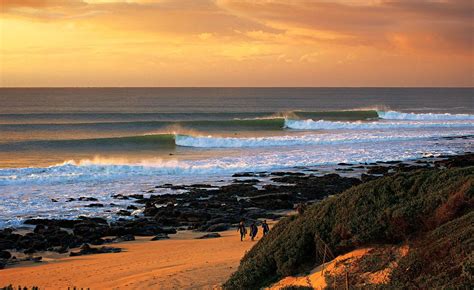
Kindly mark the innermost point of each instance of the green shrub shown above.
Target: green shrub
(443, 257)
(387, 210)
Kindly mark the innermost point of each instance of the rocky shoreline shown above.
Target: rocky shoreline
(200, 207)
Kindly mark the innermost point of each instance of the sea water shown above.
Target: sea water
(70, 142)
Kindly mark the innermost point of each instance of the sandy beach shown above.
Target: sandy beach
(177, 263)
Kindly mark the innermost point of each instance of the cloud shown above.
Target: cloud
(9, 4)
(237, 42)
(142, 16)
(426, 25)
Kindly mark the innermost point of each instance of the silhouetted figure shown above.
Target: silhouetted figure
(265, 228)
(253, 231)
(301, 208)
(242, 230)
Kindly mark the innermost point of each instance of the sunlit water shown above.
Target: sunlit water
(62, 143)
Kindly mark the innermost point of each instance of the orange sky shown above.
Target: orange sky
(236, 43)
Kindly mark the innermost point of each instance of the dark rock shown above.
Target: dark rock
(457, 161)
(39, 229)
(29, 251)
(124, 213)
(5, 255)
(95, 205)
(201, 185)
(88, 250)
(120, 196)
(408, 168)
(210, 236)
(171, 186)
(34, 259)
(253, 180)
(238, 189)
(160, 237)
(94, 219)
(389, 162)
(89, 231)
(378, 170)
(97, 242)
(6, 231)
(32, 243)
(88, 198)
(62, 250)
(244, 174)
(132, 207)
(7, 244)
(279, 173)
(251, 174)
(125, 238)
(166, 221)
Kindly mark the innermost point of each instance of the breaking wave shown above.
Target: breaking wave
(394, 115)
(343, 149)
(308, 139)
(339, 125)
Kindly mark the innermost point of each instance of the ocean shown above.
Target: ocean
(97, 142)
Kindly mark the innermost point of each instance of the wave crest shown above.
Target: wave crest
(339, 125)
(307, 139)
(394, 115)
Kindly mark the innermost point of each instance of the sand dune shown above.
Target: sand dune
(181, 262)
(316, 278)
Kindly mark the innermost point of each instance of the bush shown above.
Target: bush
(387, 210)
(441, 258)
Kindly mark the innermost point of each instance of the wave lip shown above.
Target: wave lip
(394, 115)
(310, 124)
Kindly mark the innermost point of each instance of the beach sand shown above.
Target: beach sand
(316, 278)
(180, 262)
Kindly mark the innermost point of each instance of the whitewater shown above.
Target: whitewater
(99, 149)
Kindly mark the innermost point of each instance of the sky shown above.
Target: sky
(236, 43)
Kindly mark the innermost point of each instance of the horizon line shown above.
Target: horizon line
(237, 87)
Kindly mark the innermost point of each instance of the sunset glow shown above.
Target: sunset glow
(236, 43)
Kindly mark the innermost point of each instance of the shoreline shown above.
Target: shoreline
(223, 206)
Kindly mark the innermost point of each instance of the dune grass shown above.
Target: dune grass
(400, 208)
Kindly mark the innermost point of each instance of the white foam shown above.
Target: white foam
(255, 159)
(307, 139)
(28, 191)
(394, 115)
(375, 125)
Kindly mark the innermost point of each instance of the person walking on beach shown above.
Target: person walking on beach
(242, 230)
(265, 228)
(300, 208)
(253, 231)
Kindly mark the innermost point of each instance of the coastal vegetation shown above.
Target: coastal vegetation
(428, 209)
